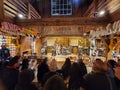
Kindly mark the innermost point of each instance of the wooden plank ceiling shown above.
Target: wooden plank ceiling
(10, 9)
(89, 18)
(112, 8)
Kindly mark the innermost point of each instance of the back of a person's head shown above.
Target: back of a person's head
(26, 77)
(111, 63)
(99, 66)
(75, 67)
(45, 60)
(13, 61)
(55, 83)
(80, 60)
(67, 61)
(25, 61)
(53, 65)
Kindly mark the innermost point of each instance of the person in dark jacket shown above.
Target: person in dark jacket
(82, 67)
(111, 64)
(25, 80)
(4, 53)
(25, 64)
(1, 66)
(42, 70)
(66, 68)
(53, 70)
(75, 77)
(117, 77)
(98, 79)
(10, 74)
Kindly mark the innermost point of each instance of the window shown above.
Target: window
(61, 7)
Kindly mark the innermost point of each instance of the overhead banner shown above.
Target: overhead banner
(11, 27)
(16, 30)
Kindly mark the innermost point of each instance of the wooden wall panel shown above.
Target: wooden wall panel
(44, 8)
(115, 16)
(26, 45)
(74, 30)
(37, 49)
(63, 21)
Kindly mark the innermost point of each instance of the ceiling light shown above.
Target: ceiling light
(101, 13)
(20, 16)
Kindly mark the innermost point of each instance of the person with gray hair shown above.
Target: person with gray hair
(53, 71)
(98, 79)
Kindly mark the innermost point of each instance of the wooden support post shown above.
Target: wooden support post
(95, 5)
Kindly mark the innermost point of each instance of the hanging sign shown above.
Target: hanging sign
(30, 32)
(12, 27)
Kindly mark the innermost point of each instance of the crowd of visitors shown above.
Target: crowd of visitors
(18, 75)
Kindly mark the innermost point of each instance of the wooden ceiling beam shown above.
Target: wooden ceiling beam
(63, 21)
(115, 16)
(1, 11)
(88, 11)
(34, 11)
(96, 6)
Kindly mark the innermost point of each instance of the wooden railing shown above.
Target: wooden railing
(98, 5)
(15, 7)
(33, 13)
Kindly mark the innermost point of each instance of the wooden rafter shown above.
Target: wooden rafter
(62, 21)
(15, 7)
(98, 5)
(1, 11)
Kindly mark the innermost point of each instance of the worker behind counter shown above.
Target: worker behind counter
(4, 53)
